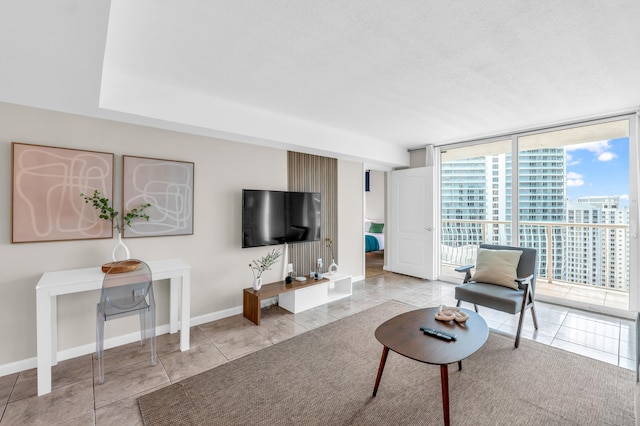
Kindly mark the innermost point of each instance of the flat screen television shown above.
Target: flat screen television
(278, 217)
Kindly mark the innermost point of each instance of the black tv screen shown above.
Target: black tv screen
(278, 217)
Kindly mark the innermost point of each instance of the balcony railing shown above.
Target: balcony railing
(585, 254)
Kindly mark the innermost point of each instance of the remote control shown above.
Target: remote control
(438, 333)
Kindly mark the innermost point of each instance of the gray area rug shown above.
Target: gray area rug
(326, 377)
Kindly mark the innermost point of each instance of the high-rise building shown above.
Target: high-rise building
(476, 197)
(480, 189)
(608, 266)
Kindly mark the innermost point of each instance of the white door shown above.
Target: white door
(411, 222)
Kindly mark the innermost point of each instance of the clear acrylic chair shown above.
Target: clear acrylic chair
(126, 290)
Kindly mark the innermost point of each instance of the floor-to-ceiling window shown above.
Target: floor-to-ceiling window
(473, 199)
(572, 204)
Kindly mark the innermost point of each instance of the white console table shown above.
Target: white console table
(53, 284)
(333, 287)
(296, 296)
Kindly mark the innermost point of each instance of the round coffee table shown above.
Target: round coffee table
(402, 334)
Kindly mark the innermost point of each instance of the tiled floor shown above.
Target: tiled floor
(602, 298)
(77, 400)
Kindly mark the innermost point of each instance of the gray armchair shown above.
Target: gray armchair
(500, 297)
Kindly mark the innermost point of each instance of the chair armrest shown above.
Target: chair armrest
(465, 268)
(524, 281)
(467, 272)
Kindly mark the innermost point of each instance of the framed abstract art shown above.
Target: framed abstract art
(164, 184)
(46, 186)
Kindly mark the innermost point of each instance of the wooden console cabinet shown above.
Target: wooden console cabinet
(297, 296)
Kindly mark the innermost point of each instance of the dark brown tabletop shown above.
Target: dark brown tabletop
(402, 335)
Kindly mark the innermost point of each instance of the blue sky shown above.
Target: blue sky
(599, 168)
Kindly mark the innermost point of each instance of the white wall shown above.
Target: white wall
(375, 197)
(350, 212)
(220, 270)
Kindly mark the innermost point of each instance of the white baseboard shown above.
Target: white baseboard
(29, 363)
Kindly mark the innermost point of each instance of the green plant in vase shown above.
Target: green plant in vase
(261, 265)
(107, 212)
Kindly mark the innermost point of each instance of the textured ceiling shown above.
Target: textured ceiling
(364, 79)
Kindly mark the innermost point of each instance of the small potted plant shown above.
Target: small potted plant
(107, 212)
(261, 265)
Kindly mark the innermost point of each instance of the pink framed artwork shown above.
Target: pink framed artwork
(165, 184)
(46, 186)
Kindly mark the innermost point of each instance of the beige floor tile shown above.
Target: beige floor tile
(627, 349)
(588, 339)
(238, 343)
(171, 342)
(127, 381)
(313, 318)
(224, 325)
(197, 359)
(123, 412)
(64, 373)
(26, 385)
(585, 351)
(7, 384)
(125, 355)
(279, 328)
(608, 329)
(60, 406)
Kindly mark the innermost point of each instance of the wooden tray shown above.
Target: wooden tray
(123, 266)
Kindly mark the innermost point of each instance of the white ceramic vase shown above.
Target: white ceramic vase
(257, 283)
(333, 268)
(120, 245)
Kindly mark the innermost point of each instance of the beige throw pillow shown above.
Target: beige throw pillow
(497, 267)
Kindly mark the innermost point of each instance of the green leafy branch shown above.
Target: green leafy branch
(264, 264)
(107, 212)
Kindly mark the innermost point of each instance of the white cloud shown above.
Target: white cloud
(575, 182)
(599, 148)
(571, 161)
(574, 175)
(624, 197)
(606, 156)
(595, 147)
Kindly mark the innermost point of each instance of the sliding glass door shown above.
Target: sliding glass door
(473, 200)
(571, 204)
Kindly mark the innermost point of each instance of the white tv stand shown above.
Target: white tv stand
(297, 296)
(332, 287)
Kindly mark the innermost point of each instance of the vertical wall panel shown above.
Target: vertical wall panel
(312, 173)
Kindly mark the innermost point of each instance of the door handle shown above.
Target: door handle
(428, 229)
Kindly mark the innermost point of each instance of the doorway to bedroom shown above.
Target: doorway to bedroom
(374, 222)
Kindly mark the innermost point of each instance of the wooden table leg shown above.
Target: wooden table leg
(444, 378)
(251, 307)
(383, 360)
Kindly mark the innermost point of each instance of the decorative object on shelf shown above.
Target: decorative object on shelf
(261, 265)
(122, 266)
(107, 212)
(333, 268)
(257, 283)
(120, 245)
